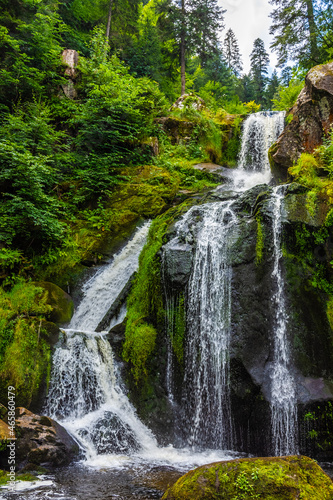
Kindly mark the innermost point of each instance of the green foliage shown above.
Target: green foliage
(320, 423)
(260, 240)
(145, 311)
(302, 31)
(286, 96)
(24, 352)
(259, 64)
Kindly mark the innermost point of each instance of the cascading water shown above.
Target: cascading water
(260, 131)
(85, 387)
(103, 288)
(206, 382)
(283, 402)
(86, 391)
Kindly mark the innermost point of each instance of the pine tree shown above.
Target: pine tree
(272, 87)
(295, 31)
(205, 22)
(286, 75)
(245, 88)
(231, 52)
(259, 63)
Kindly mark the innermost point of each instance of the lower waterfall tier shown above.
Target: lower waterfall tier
(251, 355)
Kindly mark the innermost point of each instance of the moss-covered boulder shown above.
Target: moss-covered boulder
(281, 478)
(61, 303)
(312, 120)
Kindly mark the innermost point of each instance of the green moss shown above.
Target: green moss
(176, 327)
(329, 312)
(260, 240)
(282, 478)
(4, 477)
(145, 311)
(24, 350)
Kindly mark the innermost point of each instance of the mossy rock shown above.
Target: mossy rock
(61, 303)
(4, 477)
(280, 478)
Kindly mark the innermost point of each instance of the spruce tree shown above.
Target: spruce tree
(286, 75)
(259, 63)
(272, 87)
(231, 52)
(205, 22)
(295, 31)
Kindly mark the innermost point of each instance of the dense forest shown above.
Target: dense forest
(84, 152)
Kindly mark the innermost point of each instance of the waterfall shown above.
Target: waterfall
(260, 131)
(207, 418)
(103, 288)
(283, 398)
(85, 389)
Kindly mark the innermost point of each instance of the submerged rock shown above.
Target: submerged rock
(284, 478)
(42, 441)
(312, 119)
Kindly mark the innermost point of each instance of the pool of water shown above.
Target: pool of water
(115, 477)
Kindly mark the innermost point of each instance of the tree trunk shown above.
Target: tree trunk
(182, 49)
(313, 30)
(108, 26)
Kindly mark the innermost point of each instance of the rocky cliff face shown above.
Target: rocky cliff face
(251, 348)
(312, 119)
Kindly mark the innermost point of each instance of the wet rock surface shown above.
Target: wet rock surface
(42, 441)
(252, 329)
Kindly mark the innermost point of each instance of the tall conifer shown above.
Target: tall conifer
(231, 52)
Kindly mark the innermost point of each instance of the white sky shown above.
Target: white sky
(249, 20)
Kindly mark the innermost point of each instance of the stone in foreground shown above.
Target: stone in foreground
(277, 478)
(42, 441)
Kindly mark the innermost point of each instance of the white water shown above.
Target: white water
(86, 390)
(260, 131)
(104, 287)
(283, 402)
(206, 401)
(86, 393)
(206, 381)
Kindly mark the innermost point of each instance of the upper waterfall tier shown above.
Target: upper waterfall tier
(103, 288)
(260, 131)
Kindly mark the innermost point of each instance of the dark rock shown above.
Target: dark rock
(111, 435)
(312, 119)
(70, 58)
(42, 441)
(178, 262)
(178, 130)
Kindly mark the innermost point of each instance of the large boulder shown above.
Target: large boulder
(284, 478)
(312, 119)
(42, 441)
(61, 303)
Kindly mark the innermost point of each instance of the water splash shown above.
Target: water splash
(85, 389)
(283, 398)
